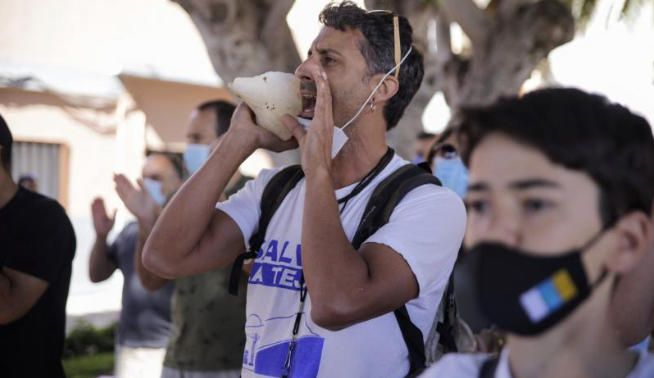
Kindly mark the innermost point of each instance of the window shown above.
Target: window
(47, 163)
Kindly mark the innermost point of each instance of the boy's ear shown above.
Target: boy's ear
(635, 232)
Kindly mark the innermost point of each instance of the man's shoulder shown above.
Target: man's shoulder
(267, 174)
(434, 197)
(38, 207)
(461, 365)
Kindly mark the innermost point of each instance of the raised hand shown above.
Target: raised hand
(136, 200)
(316, 142)
(101, 220)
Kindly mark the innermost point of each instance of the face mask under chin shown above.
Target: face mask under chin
(526, 294)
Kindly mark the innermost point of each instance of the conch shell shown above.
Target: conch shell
(270, 96)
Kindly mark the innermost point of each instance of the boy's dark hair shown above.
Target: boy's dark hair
(377, 49)
(175, 160)
(6, 142)
(223, 111)
(423, 135)
(580, 131)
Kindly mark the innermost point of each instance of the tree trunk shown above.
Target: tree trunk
(509, 39)
(246, 38)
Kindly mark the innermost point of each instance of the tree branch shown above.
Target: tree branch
(277, 36)
(472, 20)
(185, 4)
(443, 37)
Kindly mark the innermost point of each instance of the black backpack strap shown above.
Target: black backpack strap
(444, 329)
(414, 342)
(273, 195)
(385, 198)
(489, 367)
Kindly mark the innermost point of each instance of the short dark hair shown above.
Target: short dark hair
(378, 50)
(223, 111)
(6, 142)
(423, 135)
(25, 178)
(580, 131)
(175, 160)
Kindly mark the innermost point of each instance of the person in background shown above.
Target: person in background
(144, 325)
(209, 122)
(28, 182)
(37, 246)
(446, 164)
(207, 339)
(421, 146)
(561, 188)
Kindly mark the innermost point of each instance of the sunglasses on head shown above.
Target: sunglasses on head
(396, 37)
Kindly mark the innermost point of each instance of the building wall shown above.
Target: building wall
(106, 36)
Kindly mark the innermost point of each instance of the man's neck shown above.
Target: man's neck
(8, 188)
(363, 151)
(581, 346)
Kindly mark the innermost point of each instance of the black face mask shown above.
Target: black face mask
(527, 294)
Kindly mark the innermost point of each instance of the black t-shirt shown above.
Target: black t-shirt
(36, 238)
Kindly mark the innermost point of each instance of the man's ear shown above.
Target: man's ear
(634, 232)
(387, 89)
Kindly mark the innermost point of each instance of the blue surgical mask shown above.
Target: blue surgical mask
(453, 174)
(154, 189)
(194, 156)
(417, 159)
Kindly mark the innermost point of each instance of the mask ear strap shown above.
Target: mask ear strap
(398, 46)
(601, 232)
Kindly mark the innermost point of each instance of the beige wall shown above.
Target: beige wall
(104, 36)
(167, 106)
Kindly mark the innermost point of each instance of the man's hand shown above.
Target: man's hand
(253, 136)
(101, 221)
(137, 200)
(316, 142)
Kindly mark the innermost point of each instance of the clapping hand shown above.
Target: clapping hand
(137, 200)
(101, 220)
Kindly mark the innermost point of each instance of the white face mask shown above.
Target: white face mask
(340, 138)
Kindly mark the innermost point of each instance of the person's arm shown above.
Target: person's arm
(101, 266)
(372, 281)
(146, 211)
(191, 236)
(19, 292)
(149, 280)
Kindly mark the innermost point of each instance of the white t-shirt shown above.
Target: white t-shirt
(426, 228)
(468, 366)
